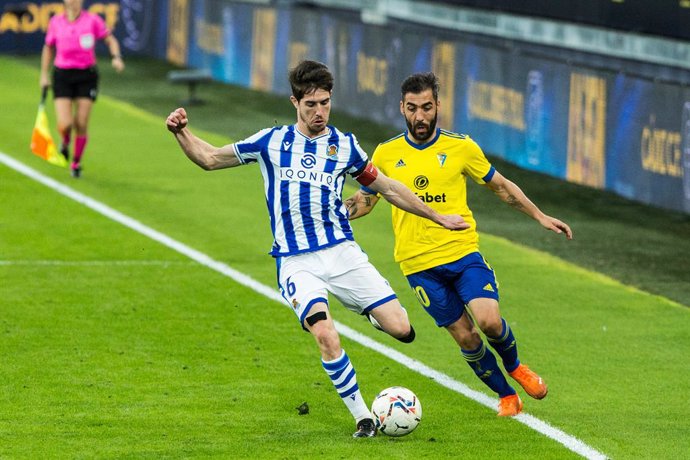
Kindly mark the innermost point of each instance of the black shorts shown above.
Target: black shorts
(74, 83)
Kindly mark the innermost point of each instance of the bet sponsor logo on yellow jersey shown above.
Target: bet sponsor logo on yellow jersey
(421, 182)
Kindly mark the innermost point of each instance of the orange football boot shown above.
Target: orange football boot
(509, 406)
(530, 381)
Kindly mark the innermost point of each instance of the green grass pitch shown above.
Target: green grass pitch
(116, 346)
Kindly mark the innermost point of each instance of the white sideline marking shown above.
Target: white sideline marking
(570, 442)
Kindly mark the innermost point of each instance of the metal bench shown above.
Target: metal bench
(190, 77)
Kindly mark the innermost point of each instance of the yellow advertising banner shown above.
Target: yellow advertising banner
(587, 130)
(178, 32)
(443, 65)
(264, 47)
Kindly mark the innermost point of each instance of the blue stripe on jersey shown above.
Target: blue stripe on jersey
(305, 203)
(262, 145)
(285, 160)
(358, 163)
(342, 216)
(304, 198)
(355, 160)
(329, 226)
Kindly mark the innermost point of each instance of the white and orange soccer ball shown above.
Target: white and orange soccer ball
(397, 411)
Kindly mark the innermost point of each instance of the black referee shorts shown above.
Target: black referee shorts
(74, 83)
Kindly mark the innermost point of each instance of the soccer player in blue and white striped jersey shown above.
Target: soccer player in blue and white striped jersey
(304, 168)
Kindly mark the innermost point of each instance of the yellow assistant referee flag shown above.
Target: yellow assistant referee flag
(41, 141)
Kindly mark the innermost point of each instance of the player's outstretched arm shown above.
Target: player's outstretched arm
(360, 204)
(199, 151)
(510, 193)
(402, 197)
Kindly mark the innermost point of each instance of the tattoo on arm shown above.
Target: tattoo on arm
(359, 205)
(514, 202)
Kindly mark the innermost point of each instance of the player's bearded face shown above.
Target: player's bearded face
(422, 130)
(421, 115)
(313, 111)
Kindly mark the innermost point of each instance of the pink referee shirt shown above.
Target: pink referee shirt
(75, 41)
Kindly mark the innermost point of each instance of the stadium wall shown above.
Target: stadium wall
(663, 17)
(607, 123)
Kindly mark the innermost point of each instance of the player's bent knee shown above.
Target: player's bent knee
(492, 327)
(328, 340)
(409, 337)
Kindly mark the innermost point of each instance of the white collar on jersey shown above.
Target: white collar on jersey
(312, 139)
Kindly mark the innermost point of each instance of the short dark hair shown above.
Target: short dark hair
(308, 76)
(418, 82)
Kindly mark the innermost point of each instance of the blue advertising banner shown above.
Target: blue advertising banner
(139, 25)
(282, 52)
(645, 142)
(601, 122)
(220, 38)
(490, 108)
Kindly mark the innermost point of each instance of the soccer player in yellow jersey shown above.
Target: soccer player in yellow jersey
(444, 267)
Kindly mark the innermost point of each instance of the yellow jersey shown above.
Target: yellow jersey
(436, 172)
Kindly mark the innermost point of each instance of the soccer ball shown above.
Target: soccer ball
(397, 411)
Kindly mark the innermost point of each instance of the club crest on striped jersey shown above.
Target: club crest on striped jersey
(332, 152)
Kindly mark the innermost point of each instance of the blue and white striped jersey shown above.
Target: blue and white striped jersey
(303, 184)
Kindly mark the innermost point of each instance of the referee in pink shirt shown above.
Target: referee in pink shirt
(71, 40)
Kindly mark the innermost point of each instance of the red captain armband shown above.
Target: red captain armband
(368, 174)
